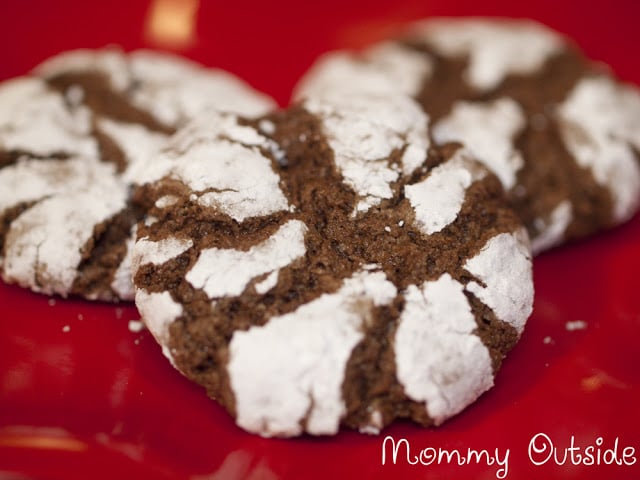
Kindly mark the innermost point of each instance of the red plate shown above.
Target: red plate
(81, 396)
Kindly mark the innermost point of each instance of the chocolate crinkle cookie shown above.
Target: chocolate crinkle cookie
(559, 131)
(330, 265)
(72, 135)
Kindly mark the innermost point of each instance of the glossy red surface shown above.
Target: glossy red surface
(81, 396)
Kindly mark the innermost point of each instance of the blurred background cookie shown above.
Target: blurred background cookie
(71, 136)
(559, 131)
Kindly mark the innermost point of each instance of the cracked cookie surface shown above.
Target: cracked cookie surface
(560, 132)
(72, 136)
(328, 265)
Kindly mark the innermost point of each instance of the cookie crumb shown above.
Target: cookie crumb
(547, 340)
(575, 325)
(80, 316)
(267, 127)
(136, 326)
(119, 313)
(66, 329)
(51, 302)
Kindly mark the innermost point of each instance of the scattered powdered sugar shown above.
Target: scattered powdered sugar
(363, 131)
(438, 198)
(439, 360)
(135, 326)
(495, 48)
(293, 367)
(575, 325)
(600, 125)
(503, 269)
(227, 272)
(488, 130)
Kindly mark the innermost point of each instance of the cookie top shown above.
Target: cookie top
(327, 265)
(72, 135)
(560, 132)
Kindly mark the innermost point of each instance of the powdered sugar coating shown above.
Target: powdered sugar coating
(495, 48)
(227, 272)
(219, 160)
(600, 125)
(488, 130)
(277, 381)
(438, 198)
(503, 271)
(63, 223)
(364, 131)
(441, 363)
(35, 119)
(385, 68)
(158, 252)
(32, 179)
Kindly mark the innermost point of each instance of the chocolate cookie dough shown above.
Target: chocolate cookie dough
(559, 131)
(328, 265)
(72, 135)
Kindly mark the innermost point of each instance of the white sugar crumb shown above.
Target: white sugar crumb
(51, 302)
(401, 223)
(547, 340)
(575, 325)
(135, 326)
(166, 201)
(66, 329)
(387, 229)
(267, 127)
(80, 316)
